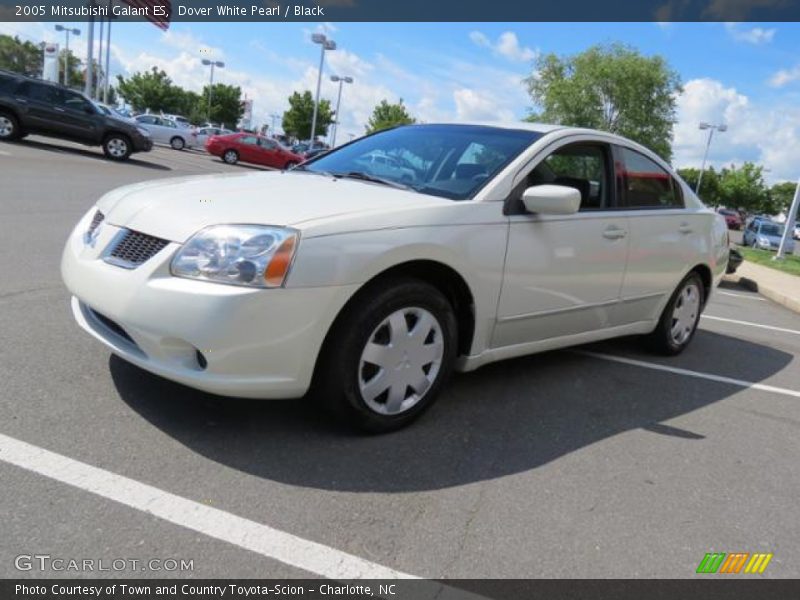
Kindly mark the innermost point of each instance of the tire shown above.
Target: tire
(177, 143)
(678, 322)
(289, 165)
(117, 146)
(372, 376)
(9, 127)
(230, 156)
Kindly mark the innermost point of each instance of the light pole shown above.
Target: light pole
(326, 44)
(711, 127)
(213, 63)
(341, 80)
(67, 31)
(788, 227)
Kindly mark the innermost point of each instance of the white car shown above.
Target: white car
(369, 291)
(169, 132)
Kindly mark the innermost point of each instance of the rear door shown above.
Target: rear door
(271, 153)
(42, 108)
(664, 235)
(563, 273)
(248, 148)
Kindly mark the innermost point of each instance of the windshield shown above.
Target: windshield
(771, 229)
(452, 161)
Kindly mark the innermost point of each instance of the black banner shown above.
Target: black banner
(406, 11)
(733, 588)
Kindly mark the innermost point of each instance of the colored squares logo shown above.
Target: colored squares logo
(735, 562)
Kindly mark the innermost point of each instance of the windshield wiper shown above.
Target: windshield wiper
(372, 179)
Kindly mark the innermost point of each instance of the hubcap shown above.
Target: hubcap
(117, 147)
(177, 144)
(6, 127)
(685, 314)
(400, 361)
(230, 157)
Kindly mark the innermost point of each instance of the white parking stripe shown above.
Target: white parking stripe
(262, 539)
(749, 324)
(745, 296)
(688, 373)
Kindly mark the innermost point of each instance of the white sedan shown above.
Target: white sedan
(370, 291)
(169, 132)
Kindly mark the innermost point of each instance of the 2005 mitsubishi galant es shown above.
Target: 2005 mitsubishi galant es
(474, 243)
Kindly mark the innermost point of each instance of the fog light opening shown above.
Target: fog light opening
(201, 360)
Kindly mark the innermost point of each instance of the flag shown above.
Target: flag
(160, 21)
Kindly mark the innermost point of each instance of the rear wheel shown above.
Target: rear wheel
(117, 146)
(387, 358)
(230, 156)
(177, 143)
(9, 127)
(678, 322)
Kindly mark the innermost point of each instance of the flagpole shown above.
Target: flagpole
(88, 87)
(108, 52)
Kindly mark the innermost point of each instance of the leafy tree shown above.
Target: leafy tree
(20, 57)
(744, 188)
(781, 196)
(226, 104)
(154, 90)
(297, 120)
(386, 115)
(709, 192)
(73, 64)
(609, 87)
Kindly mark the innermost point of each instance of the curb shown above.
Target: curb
(766, 290)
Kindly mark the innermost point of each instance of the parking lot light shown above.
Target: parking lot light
(341, 80)
(212, 63)
(325, 44)
(711, 127)
(67, 31)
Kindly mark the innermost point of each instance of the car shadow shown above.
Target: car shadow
(90, 153)
(505, 418)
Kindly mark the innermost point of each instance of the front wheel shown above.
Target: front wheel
(117, 147)
(387, 358)
(231, 157)
(678, 322)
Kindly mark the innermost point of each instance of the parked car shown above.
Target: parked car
(30, 105)
(206, 132)
(303, 148)
(110, 111)
(766, 235)
(732, 218)
(796, 233)
(180, 120)
(167, 131)
(369, 291)
(252, 148)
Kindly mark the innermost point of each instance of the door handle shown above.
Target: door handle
(21, 100)
(58, 109)
(685, 228)
(614, 233)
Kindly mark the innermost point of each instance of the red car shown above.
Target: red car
(732, 218)
(251, 148)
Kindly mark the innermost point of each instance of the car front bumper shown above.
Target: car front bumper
(256, 343)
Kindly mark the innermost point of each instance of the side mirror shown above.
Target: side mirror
(551, 200)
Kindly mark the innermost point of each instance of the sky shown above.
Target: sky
(745, 75)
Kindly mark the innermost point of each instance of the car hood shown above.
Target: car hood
(175, 209)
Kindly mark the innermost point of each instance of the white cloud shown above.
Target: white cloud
(507, 46)
(188, 42)
(754, 35)
(479, 105)
(785, 76)
(767, 135)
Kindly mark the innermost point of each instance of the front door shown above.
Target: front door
(564, 274)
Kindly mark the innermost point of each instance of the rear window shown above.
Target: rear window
(7, 83)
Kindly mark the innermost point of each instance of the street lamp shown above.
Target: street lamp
(341, 80)
(67, 31)
(326, 44)
(212, 63)
(711, 127)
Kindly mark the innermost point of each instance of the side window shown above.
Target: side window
(146, 119)
(249, 139)
(73, 101)
(7, 84)
(584, 167)
(40, 93)
(267, 144)
(645, 184)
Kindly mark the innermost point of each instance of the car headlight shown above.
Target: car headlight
(143, 131)
(248, 255)
(762, 241)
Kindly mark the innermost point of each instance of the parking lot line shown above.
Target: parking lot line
(745, 296)
(264, 540)
(698, 374)
(750, 324)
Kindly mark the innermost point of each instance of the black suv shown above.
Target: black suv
(30, 105)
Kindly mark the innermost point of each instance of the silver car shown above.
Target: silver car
(169, 132)
(206, 132)
(766, 235)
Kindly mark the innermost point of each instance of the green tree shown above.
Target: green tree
(709, 192)
(20, 57)
(154, 90)
(386, 115)
(226, 104)
(297, 120)
(76, 75)
(781, 196)
(744, 188)
(609, 87)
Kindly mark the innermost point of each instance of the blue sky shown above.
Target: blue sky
(746, 75)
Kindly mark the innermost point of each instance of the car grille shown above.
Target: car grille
(113, 326)
(134, 248)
